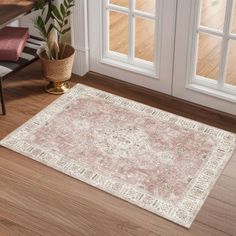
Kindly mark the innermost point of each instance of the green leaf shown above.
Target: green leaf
(49, 13)
(41, 4)
(62, 8)
(56, 13)
(71, 3)
(43, 11)
(55, 27)
(68, 13)
(41, 25)
(65, 30)
(50, 28)
(66, 4)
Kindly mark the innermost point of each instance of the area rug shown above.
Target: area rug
(156, 160)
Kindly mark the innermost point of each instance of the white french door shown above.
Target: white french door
(133, 40)
(185, 48)
(205, 55)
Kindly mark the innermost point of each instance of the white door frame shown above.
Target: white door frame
(80, 40)
(129, 62)
(184, 86)
(79, 37)
(100, 62)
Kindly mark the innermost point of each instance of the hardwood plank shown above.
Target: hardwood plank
(22, 166)
(9, 228)
(218, 215)
(225, 190)
(230, 169)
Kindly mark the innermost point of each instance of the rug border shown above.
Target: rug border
(59, 104)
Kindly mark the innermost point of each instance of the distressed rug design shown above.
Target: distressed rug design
(156, 160)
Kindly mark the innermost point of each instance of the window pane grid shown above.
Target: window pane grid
(113, 45)
(134, 16)
(225, 35)
(131, 31)
(212, 13)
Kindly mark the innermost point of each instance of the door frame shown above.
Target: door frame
(80, 37)
(100, 63)
(113, 58)
(183, 86)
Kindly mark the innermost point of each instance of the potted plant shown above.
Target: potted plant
(56, 57)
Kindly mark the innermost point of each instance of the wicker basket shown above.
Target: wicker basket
(58, 70)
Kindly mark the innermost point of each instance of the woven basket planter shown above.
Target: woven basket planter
(58, 72)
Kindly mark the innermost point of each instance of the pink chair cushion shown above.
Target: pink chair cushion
(12, 42)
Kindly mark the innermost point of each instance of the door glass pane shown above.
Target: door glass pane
(122, 3)
(145, 39)
(208, 61)
(231, 67)
(233, 28)
(213, 13)
(118, 35)
(146, 5)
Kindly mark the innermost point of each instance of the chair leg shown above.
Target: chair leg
(2, 98)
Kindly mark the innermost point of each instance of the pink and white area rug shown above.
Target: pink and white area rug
(156, 160)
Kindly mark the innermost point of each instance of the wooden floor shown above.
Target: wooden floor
(213, 13)
(36, 200)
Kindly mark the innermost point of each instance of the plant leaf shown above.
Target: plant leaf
(68, 13)
(41, 26)
(55, 27)
(41, 4)
(49, 14)
(50, 27)
(66, 3)
(62, 8)
(56, 13)
(65, 30)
